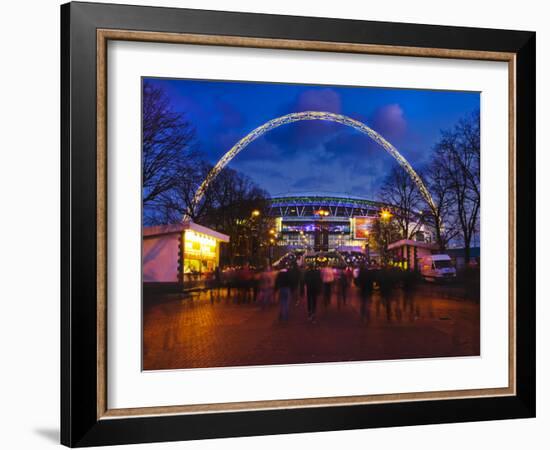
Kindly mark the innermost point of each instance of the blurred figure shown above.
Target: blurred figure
(302, 284)
(230, 280)
(266, 286)
(313, 284)
(213, 284)
(410, 280)
(355, 272)
(365, 283)
(245, 278)
(210, 284)
(255, 284)
(295, 274)
(327, 276)
(218, 281)
(283, 285)
(386, 280)
(344, 278)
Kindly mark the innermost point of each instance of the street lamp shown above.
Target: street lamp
(367, 246)
(256, 213)
(385, 214)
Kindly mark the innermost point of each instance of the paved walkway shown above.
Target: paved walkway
(198, 333)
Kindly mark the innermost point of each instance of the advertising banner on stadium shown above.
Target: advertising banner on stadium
(362, 227)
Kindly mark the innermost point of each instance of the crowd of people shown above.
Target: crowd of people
(314, 283)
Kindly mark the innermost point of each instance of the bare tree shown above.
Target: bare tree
(176, 203)
(235, 205)
(457, 164)
(400, 191)
(440, 215)
(230, 197)
(167, 145)
(227, 206)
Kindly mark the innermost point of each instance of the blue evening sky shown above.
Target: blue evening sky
(313, 155)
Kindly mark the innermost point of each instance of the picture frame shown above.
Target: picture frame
(86, 418)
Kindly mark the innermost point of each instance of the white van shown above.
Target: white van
(437, 268)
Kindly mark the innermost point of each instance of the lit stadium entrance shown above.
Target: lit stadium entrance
(323, 221)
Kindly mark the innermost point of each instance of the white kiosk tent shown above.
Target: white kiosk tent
(409, 252)
(172, 253)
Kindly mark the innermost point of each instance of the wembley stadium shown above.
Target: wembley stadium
(327, 221)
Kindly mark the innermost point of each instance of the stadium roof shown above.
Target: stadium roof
(323, 194)
(303, 204)
(306, 204)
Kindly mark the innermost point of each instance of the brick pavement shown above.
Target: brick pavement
(197, 333)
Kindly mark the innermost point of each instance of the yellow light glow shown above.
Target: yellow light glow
(198, 244)
(255, 213)
(385, 214)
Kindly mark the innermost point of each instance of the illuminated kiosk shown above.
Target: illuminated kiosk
(179, 255)
(407, 253)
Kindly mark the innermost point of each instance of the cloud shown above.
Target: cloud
(262, 170)
(389, 121)
(260, 151)
(310, 182)
(286, 140)
(350, 146)
(323, 99)
(307, 134)
(268, 174)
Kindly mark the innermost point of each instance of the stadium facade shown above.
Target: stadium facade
(326, 221)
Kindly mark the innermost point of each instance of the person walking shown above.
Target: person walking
(365, 282)
(267, 284)
(218, 281)
(295, 274)
(327, 276)
(313, 284)
(344, 280)
(386, 281)
(283, 285)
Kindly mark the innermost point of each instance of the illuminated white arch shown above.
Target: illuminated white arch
(310, 115)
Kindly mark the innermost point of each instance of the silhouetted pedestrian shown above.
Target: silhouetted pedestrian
(313, 283)
(295, 274)
(283, 286)
(365, 282)
(327, 275)
(267, 285)
(386, 281)
(344, 280)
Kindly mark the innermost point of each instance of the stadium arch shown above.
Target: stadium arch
(303, 116)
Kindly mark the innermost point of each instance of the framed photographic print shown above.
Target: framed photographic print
(277, 224)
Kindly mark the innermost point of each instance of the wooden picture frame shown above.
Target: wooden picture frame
(85, 416)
